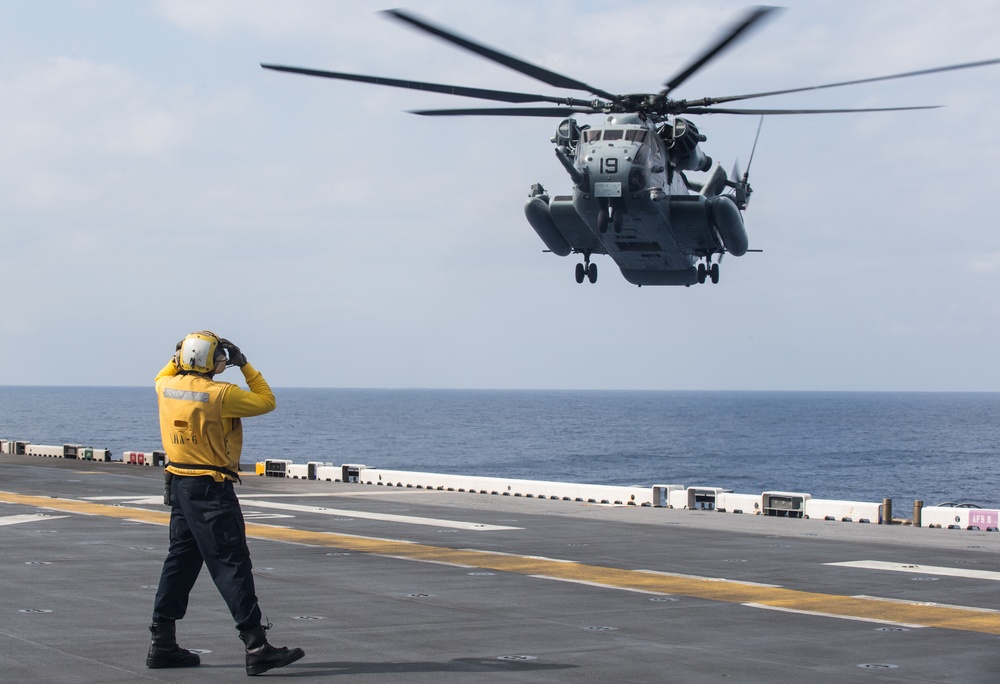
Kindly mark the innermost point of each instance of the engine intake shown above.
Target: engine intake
(568, 134)
(682, 140)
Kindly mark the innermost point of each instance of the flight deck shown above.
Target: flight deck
(404, 584)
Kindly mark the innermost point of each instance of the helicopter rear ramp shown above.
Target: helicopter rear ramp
(687, 276)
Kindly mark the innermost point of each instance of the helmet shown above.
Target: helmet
(198, 351)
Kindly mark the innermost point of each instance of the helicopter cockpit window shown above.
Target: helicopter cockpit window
(591, 135)
(614, 134)
(635, 135)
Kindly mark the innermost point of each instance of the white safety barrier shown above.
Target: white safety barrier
(696, 498)
(10, 446)
(91, 454)
(351, 472)
(77, 451)
(274, 467)
(43, 450)
(953, 518)
(728, 502)
(774, 503)
(529, 489)
(784, 504)
(302, 471)
(661, 494)
(146, 458)
(844, 511)
(329, 473)
(297, 471)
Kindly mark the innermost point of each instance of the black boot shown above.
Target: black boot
(262, 656)
(164, 651)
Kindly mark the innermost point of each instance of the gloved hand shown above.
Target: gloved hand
(236, 357)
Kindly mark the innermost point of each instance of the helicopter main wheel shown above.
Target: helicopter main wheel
(714, 273)
(581, 273)
(702, 273)
(592, 273)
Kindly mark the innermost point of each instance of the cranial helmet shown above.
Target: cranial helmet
(198, 352)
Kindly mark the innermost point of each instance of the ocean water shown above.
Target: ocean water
(934, 447)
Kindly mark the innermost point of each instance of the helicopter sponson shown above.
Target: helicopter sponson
(632, 201)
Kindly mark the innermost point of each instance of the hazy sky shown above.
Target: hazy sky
(155, 180)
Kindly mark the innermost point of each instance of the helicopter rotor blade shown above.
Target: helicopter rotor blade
(759, 112)
(554, 112)
(753, 16)
(922, 72)
(536, 72)
(480, 93)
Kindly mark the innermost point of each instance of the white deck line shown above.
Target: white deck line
(920, 569)
(833, 615)
(18, 519)
(387, 517)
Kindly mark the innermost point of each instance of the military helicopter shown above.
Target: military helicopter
(631, 199)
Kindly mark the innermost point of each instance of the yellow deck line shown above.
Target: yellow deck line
(947, 617)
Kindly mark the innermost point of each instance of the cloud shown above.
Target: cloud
(271, 21)
(73, 121)
(988, 262)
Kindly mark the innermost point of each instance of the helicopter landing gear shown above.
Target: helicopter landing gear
(709, 271)
(586, 270)
(614, 213)
(602, 217)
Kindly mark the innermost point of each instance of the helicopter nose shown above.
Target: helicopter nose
(607, 163)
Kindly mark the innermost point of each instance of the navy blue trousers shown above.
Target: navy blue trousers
(206, 527)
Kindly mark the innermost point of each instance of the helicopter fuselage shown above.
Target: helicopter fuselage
(632, 202)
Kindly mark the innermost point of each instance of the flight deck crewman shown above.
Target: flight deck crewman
(203, 437)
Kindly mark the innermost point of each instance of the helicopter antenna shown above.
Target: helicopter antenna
(753, 149)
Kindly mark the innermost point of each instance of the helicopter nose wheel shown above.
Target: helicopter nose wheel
(613, 212)
(586, 270)
(602, 217)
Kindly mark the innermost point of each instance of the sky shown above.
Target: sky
(154, 181)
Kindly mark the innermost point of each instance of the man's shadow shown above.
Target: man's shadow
(472, 665)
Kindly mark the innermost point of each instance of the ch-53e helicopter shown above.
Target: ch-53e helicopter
(631, 197)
